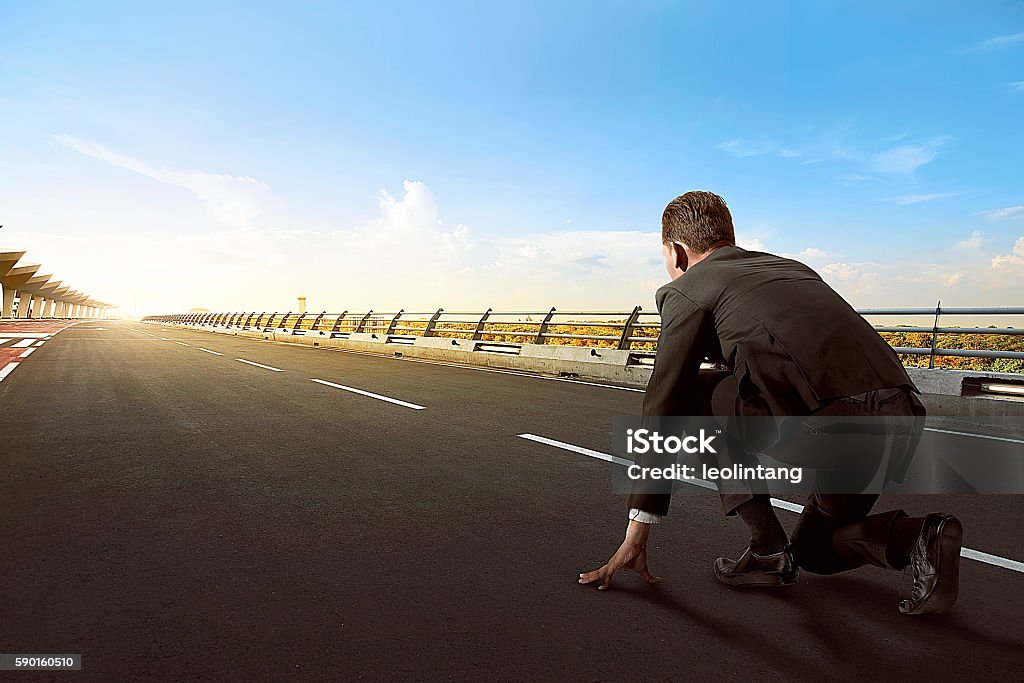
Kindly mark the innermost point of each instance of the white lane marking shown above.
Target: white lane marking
(968, 553)
(465, 367)
(6, 370)
(26, 353)
(23, 343)
(164, 339)
(40, 342)
(23, 335)
(577, 449)
(265, 367)
(478, 369)
(1005, 563)
(216, 353)
(182, 343)
(367, 393)
(980, 436)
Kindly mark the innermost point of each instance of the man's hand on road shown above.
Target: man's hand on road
(632, 555)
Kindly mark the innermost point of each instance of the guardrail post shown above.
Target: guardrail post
(935, 333)
(317, 321)
(271, 320)
(337, 323)
(542, 330)
(429, 332)
(298, 322)
(249, 319)
(362, 321)
(479, 331)
(285, 319)
(394, 321)
(627, 331)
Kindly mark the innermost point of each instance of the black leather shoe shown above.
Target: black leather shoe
(778, 569)
(935, 561)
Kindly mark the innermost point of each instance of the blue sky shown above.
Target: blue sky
(514, 155)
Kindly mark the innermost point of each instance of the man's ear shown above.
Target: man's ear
(680, 255)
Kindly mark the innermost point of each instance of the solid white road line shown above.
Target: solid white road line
(265, 367)
(969, 553)
(367, 393)
(27, 352)
(6, 370)
(23, 343)
(216, 353)
(23, 335)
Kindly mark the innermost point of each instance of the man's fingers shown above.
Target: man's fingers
(590, 577)
(648, 576)
(607, 580)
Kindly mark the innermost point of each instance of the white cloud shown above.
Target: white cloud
(1019, 85)
(1015, 259)
(973, 242)
(1002, 40)
(1004, 214)
(905, 159)
(233, 200)
(747, 148)
(909, 199)
(813, 256)
(952, 279)
(840, 271)
(751, 243)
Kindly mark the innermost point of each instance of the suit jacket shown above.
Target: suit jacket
(791, 341)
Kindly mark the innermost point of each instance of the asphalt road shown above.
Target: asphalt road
(172, 513)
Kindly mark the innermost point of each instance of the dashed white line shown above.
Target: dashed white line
(216, 353)
(259, 365)
(371, 395)
(23, 343)
(182, 343)
(577, 449)
(969, 553)
(477, 369)
(26, 353)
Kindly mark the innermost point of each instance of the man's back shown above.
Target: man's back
(789, 337)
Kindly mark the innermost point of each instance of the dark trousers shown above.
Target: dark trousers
(836, 531)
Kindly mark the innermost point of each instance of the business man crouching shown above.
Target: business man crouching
(793, 347)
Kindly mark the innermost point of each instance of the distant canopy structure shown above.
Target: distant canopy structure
(28, 294)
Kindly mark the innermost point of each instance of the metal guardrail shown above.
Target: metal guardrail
(616, 329)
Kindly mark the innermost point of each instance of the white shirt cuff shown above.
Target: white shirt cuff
(638, 515)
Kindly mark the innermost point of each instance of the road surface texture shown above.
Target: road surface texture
(179, 505)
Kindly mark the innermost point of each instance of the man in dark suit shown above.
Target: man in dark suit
(794, 349)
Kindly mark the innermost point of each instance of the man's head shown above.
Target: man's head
(692, 225)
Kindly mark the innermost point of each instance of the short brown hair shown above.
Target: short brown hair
(698, 219)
